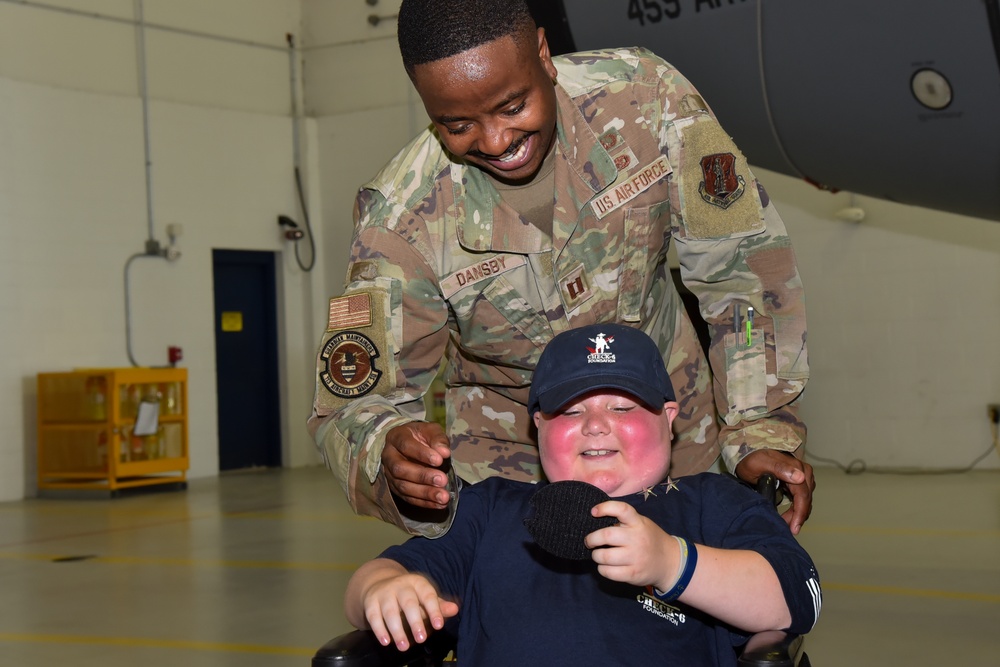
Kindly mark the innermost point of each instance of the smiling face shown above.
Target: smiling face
(609, 439)
(495, 105)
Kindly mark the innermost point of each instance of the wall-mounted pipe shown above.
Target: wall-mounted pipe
(140, 38)
(153, 247)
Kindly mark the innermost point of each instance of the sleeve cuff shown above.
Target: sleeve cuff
(761, 434)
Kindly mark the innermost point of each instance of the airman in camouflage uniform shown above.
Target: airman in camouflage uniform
(444, 271)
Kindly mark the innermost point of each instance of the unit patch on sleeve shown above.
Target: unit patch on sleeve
(355, 356)
(348, 364)
(721, 185)
(718, 196)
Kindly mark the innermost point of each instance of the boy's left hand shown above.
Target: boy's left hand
(635, 551)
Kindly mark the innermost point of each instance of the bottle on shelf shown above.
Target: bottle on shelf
(138, 449)
(131, 395)
(102, 450)
(171, 401)
(151, 393)
(95, 392)
(151, 445)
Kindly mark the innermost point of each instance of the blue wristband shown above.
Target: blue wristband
(689, 561)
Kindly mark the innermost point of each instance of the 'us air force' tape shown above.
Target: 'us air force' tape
(629, 186)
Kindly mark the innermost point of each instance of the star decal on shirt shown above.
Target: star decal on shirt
(667, 486)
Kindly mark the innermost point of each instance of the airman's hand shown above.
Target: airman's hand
(797, 477)
(412, 462)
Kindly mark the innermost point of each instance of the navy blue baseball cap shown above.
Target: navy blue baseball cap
(599, 356)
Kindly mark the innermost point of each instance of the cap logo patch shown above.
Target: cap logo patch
(599, 353)
(350, 370)
(722, 185)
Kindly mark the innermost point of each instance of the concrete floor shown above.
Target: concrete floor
(249, 569)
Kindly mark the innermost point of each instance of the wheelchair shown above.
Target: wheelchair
(359, 648)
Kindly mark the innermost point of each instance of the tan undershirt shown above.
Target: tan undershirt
(535, 200)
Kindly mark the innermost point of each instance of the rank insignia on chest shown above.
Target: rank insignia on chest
(721, 186)
(575, 288)
(348, 364)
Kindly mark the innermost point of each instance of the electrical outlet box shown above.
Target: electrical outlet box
(993, 411)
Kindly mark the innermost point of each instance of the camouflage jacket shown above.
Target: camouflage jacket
(442, 271)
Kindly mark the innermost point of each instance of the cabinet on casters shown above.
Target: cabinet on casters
(109, 429)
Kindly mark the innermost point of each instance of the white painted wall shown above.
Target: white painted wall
(904, 315)
(73, 199)
(903, 308)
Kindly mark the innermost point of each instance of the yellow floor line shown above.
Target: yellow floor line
(911, 592)
(155, 643)
(885, 531)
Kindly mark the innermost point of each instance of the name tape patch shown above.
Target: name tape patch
(488, 268)
(631, 187)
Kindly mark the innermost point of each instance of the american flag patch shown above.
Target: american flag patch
(350, 311)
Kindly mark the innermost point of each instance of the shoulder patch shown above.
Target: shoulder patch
(721, 184)
(355, 357)
(347, 364)
(716, 200)
(353, 310)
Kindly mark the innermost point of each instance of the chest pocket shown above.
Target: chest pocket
(498, 324)
(646, 242)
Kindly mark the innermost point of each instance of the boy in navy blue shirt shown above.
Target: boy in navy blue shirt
(685, 571)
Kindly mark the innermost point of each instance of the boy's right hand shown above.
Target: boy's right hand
(397, 608)
(411, 461)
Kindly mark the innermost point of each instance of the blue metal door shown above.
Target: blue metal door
(246, 359)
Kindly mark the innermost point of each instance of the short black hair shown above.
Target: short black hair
(429, 30)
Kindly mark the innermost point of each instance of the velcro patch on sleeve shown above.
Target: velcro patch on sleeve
(720, 199)
(353, 358)
(353, 310)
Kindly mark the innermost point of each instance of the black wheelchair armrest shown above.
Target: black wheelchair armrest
(773, 649)
(359, 648)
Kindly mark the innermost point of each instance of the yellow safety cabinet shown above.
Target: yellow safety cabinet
(112, 428)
